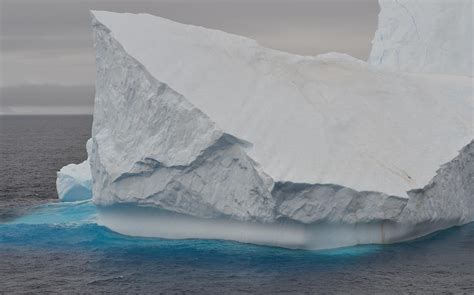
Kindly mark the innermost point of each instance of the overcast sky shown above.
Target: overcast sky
(47, 61)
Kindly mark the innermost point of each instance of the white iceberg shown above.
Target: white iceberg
(202, 134)
(73, 182)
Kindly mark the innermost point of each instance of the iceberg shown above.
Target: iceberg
(199, 133)
(74, 181)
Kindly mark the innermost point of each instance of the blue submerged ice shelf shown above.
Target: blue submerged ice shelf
(73, 224)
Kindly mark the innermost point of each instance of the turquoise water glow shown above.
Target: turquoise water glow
(66, 224)
(60, 247)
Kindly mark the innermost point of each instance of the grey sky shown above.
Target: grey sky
(47, 61)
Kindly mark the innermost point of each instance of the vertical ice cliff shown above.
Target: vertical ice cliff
(425, 36)
(202, 134)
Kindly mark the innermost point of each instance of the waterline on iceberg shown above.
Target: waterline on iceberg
(80, 225)
(152, 222)
(66, 224)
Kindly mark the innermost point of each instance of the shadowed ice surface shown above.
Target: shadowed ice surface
(59, 248)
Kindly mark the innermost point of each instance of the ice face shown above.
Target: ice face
(424, 36)
(204, 134)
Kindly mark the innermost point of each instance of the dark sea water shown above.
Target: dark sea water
(32, 149)
(52, 247)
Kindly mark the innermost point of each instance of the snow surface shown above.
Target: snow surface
(202, 134)
(425, 36)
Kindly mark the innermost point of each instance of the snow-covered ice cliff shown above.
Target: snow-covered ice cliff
(199, 133)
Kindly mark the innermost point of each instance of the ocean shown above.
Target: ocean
(52, 247)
